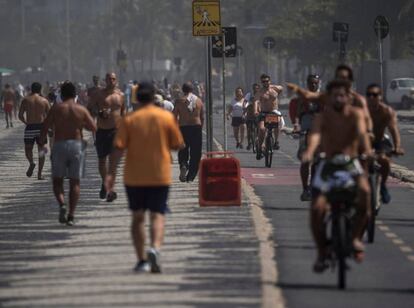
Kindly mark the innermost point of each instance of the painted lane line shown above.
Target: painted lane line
(406, 249)
(398, 241)
(391, 235)
(384, 228)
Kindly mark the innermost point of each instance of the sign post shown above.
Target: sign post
(269, 43)
(225, 46)
(382, 29)
(207, 22)
(340, 35)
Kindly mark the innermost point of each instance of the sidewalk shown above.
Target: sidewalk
(210, 257)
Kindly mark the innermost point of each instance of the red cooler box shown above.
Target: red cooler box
(219, 180)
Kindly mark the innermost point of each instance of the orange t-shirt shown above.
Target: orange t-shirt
(148, 135)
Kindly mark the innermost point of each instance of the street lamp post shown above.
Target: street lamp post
(68, 51)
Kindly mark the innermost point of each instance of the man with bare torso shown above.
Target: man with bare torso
(266, 101)
(340, 130)
(32, 113)
(68, 119)
(9, 100)
(383, 117)
(189, 112)
(108, 107)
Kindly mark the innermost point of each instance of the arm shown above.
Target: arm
(314, 139)
(202, 114)
(175, 111)
(361, 102)
(93, 105)
(277, 88)
(47, 123)
(365, 144)
(89, 123)
(22, 111)
(395, 133)
(305, 94)
(123, 105)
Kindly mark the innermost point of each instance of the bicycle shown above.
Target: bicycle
(252, 134)
(271, 122)
(341, 197)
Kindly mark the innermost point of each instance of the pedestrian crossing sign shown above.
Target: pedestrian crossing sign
(206, 18)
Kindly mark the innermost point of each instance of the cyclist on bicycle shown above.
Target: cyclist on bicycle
(302, 113)
(339, 129)
(266, 101)
(383, 117)
(250, 117)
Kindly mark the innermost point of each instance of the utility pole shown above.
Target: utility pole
(68, 51)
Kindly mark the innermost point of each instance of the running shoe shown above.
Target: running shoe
(62, 214)
(71, 221)
(306, 195)
(153, 258)
(142, 267)
(276, 146)
(183, 173)
(102, 193)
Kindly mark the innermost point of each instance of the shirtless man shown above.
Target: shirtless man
(266, 101)
(68, 119)
(342, 72)
(108, 107)
(189, 112)
(339, 129)
(32, 113)
(9, 100)
(383, 117)
(95, 88)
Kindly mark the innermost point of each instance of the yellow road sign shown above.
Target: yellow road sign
(206, 18)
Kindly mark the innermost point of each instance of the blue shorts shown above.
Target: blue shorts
(153, 199)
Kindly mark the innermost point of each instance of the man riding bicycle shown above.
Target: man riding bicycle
(340, 130)
(383, 117)
(302, 113)
(266, 102)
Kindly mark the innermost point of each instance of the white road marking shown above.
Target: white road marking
(391, 235)
(398, 241)
(383, 228)
(263, 176)
(406, 249)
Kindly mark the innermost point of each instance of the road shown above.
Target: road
(385, 279)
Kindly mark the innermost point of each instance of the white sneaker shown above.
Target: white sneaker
(142, 267)
(153, 258)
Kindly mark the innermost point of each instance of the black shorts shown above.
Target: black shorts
(237, 121)
(104, 141)
(153, 199)
(32, 134)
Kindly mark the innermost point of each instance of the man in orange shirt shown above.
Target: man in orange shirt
(147, 171)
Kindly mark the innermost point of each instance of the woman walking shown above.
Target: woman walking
(237, 112)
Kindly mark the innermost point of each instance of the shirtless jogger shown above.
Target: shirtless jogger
(32, 113)
(107, 105)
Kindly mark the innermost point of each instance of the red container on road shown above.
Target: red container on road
(220, 180)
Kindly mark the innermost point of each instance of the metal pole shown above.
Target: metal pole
(209, 98)
(224, 89)
(339, 47)
(381, 57)
(69, 56)
(268, 58)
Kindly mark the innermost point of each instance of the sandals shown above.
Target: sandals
(112, 196)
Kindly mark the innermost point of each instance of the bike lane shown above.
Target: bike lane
(384, 279)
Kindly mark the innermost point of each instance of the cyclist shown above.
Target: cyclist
(383, 117)
(250, 117)
(339, 129)
(266, 101)
(302, 113)
(236, 110)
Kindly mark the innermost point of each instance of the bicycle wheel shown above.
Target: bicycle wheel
(269, 150)
(373, 181)
(339, 241)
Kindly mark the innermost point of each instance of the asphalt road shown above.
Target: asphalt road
(385, 279)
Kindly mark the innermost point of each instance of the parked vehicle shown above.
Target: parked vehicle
(400, 93)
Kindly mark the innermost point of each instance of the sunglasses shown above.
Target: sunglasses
(373, 94)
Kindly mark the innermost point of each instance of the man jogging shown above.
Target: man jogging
(68, 119)
(32, 113)
(147, 171)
